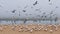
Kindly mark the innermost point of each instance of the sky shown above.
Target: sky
(28, 8)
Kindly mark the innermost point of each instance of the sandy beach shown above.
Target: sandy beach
(30, 29)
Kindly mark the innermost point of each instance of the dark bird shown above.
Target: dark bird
(13, 11)
(45, 16)
(24, 10)
(25, 21)
(49, 0)
(35, 3)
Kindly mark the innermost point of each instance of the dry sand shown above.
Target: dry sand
(30, 29)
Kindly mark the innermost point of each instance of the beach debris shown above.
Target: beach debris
(20, 30)
(53, 27)
(51, 31)
(39, 29)
(13, 28)
(28, 29)
(45, 28)
(31, 31)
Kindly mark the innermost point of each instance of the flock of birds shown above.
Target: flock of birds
(43, 16)
(32, 27)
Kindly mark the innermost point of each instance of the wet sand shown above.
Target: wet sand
(30, 29)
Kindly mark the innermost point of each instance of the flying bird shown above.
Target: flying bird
(35, 3)
(13, 11)
(49, 0)
(24, 10)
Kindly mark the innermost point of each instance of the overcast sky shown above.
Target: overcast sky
(26, 8)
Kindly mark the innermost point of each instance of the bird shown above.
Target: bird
(35, 3)
(13, 11)
(49, 0)
(51, 31)
(24, 10)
